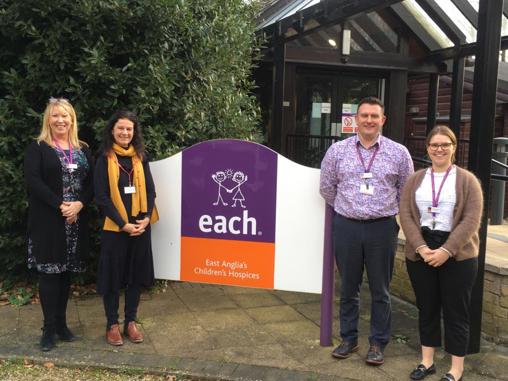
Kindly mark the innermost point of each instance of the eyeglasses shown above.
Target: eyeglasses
(443, 146)
(58, 100)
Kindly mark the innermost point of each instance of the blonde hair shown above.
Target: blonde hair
(45, 134)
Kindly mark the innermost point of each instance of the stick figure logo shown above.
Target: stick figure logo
(230, 181)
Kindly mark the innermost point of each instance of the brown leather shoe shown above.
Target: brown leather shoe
(113, 335)
(132, 333)
(375, 355)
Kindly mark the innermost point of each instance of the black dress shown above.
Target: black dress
(55, 246)
(124, 260)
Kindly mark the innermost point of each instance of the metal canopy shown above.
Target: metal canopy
(428, 20)
(443, 21)
(468, 11)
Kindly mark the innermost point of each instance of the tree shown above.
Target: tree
(183, 65)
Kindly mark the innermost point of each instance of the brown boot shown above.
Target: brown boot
(113, 335)
(131, 331)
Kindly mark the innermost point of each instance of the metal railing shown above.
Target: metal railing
(309, 150)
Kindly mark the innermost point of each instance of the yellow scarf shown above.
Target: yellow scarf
(139, 202)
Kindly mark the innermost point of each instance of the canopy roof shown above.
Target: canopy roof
(445, 28)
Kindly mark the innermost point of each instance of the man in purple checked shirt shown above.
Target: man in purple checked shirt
(362, 177)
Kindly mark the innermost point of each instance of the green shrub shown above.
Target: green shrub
(183, 65)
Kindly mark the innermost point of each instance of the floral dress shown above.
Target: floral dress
(72, 184)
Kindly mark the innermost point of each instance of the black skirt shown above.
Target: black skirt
(124, 260)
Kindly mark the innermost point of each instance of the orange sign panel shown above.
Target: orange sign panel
(230, 262)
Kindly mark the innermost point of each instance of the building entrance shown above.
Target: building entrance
(325, 108)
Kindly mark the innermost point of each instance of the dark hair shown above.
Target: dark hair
(137, 139)
(441, 129)
(372, 101)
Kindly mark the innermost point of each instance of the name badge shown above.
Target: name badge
(367, 189)
(72, 166)
(367, 175)
(433, 209)
(129, 190)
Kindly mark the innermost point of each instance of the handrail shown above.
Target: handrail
(499, 163)
(493, 176)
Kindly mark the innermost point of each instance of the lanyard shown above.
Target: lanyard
(129, 173)
(67, 159)
(366, 169)
(435, 198)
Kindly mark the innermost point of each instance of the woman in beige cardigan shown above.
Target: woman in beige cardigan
(440, 213)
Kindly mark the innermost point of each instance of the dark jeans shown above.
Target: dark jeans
(370, 245)
(447, 288)
(54, 295)
(111, 303)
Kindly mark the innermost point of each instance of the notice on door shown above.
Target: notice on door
(326, 108)
(348, 118)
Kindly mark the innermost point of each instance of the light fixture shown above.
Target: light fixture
(332, 42)
(346, 43)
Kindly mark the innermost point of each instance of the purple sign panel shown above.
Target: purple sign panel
(229, 191)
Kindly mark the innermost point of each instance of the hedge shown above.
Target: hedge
(183, 65)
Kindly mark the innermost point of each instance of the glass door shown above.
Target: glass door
(313, 119)
(350, 91)
(325, 107)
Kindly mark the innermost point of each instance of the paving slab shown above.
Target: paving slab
(274, 314)
(10, 320)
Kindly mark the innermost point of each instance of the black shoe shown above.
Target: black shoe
(47, 340)
(375, 355)
(65, 334)
(345, 349)
(420, 372)
(449, 377)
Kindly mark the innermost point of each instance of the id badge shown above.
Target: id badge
(129, 190)
(433, 209)
(367, 175)
(72, 166)
(366, 189)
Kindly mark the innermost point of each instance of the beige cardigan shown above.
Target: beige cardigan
(463, 241)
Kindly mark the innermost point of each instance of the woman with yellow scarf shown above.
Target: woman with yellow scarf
(125, 192)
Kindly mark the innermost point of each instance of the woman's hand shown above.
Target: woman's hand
(143, 223)
(71, 208)
(437, 258)
(133, 229)
(71, 220)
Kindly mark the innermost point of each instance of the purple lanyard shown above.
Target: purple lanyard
(435, 198)
(67, 159)
(367, 169)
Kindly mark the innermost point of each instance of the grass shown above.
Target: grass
(11, 370)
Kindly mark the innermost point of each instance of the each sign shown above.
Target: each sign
(237, 213)
(228, 214)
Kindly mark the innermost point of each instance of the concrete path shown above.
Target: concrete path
(229, 333)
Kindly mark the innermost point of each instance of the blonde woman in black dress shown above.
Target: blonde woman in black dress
(58, 176)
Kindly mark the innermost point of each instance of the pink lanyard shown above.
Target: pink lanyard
(67, 159)
(435, 198)
(367, 169)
